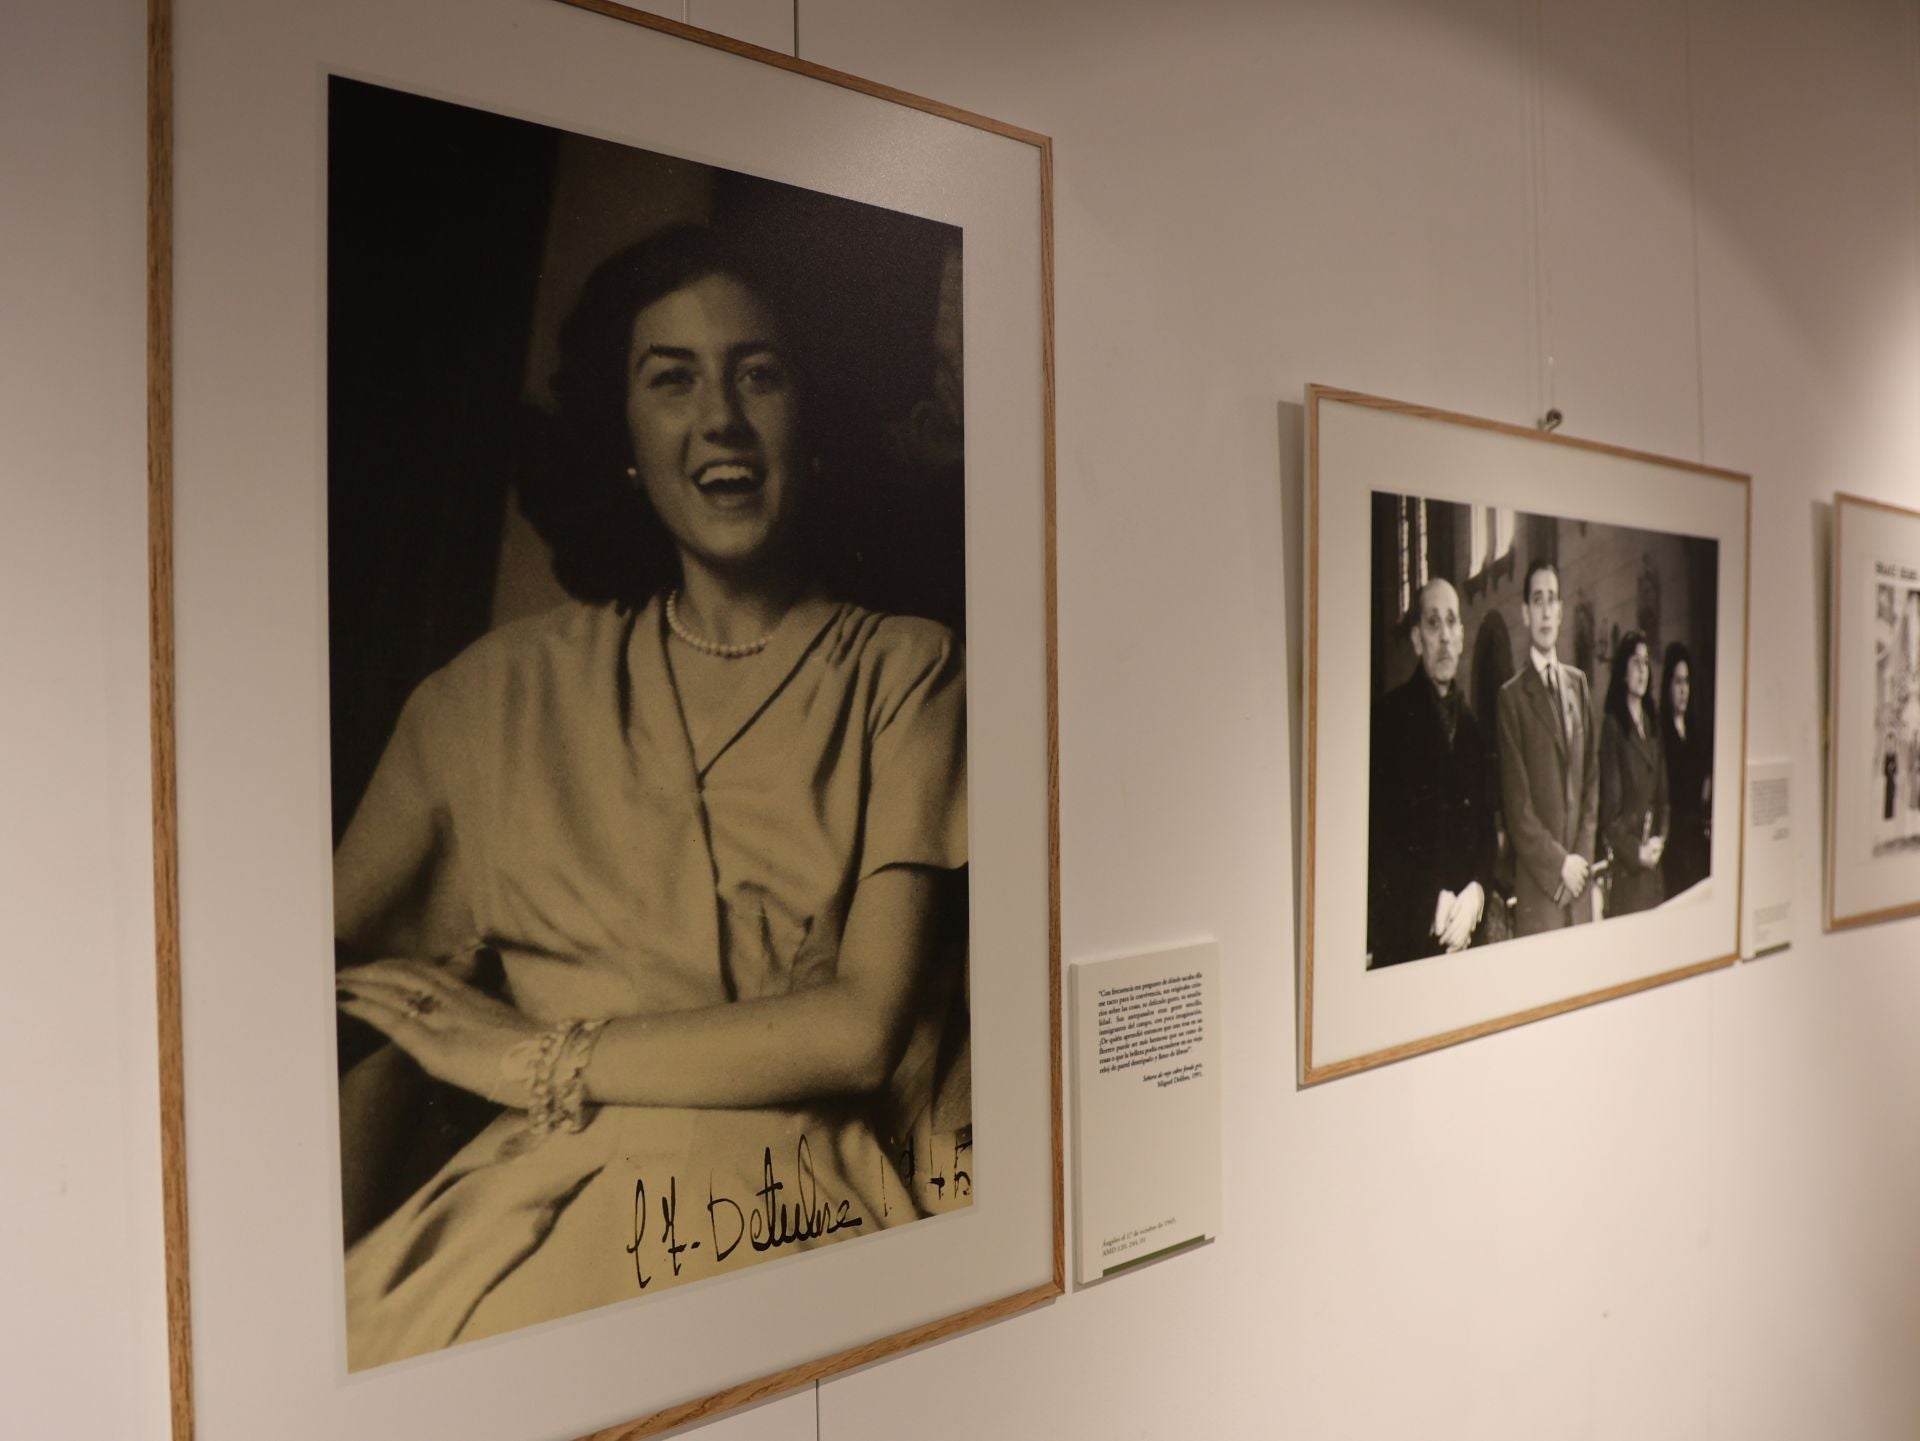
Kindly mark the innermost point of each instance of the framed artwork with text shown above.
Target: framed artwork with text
(1873, 715)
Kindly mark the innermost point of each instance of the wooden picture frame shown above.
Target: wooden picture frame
(1437, 910)
(1873, 855)
(245, 419)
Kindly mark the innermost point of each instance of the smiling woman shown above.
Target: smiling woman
(713, 415)
(658, 895)
(713, 412)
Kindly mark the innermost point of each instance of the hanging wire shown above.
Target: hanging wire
(1915, 162)
(1693, 200)
(1539, 196)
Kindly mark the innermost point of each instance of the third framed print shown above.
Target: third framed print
(1873, 715)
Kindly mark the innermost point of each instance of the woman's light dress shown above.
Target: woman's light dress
(540, 797)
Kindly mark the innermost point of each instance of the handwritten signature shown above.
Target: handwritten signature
(765, 1225)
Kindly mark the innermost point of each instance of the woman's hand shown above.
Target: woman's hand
(458, 1034)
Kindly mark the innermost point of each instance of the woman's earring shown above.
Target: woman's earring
(633, 472)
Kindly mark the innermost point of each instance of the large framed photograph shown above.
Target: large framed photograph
(1548, 640)
(1873, 715)
(617, 943)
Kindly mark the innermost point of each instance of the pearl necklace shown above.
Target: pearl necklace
(710, 647)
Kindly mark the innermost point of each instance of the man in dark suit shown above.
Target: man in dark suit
(1430, 830)
(1549, 770)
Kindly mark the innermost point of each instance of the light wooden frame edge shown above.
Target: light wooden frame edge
(1311, 1074)
(1836, 922)
(159, 245)
(166, 880)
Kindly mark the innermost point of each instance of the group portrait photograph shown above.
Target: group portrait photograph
(1540, 740)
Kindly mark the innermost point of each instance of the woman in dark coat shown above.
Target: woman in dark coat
(1689, 754)
(1633, 782)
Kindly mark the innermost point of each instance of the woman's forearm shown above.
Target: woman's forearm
(817, 1042)
(843, 1037)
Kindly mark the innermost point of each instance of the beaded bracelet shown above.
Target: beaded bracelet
(572, 1053)
(552, 1068)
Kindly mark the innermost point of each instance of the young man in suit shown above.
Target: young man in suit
(1549, 770)
(1430, 829)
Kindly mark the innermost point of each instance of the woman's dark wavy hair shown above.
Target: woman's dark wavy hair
(607, 542)
(1617, 685)
(1677, 655)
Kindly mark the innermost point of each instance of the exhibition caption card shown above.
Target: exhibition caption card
(1769, 860)
(1146, 1106)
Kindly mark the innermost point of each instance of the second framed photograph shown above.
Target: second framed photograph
(1548, 640)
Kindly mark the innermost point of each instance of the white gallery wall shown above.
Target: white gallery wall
(1690, 1213)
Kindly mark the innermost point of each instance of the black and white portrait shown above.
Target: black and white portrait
(648, 718)
(1540, 744)
(1533, 648)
